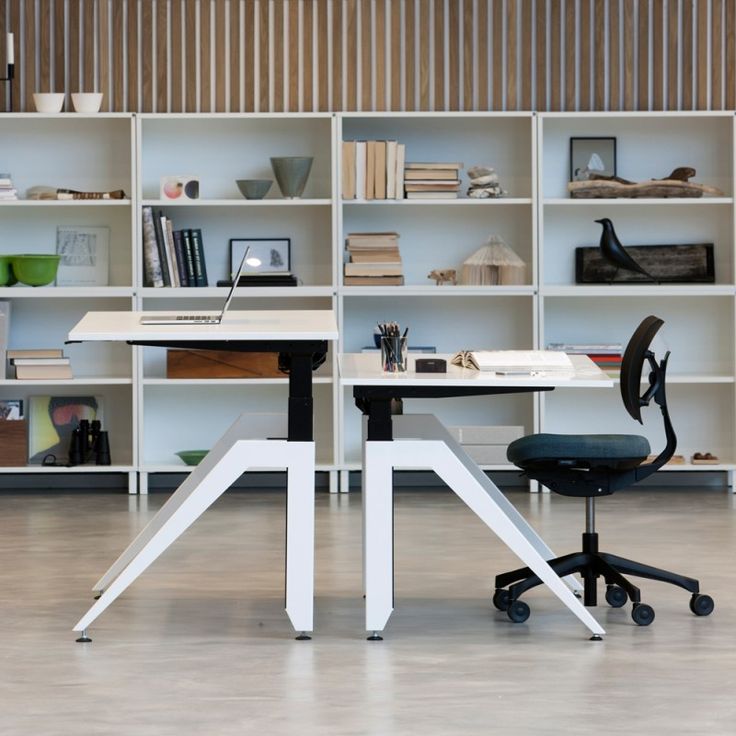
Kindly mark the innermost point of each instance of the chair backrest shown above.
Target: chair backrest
(633, 362)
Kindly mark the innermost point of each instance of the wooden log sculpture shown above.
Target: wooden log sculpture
(677, 184)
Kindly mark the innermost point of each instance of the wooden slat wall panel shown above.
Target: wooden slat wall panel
(398, 54)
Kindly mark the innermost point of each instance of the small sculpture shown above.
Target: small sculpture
(614, 252)
(484, 183)
(494, 264)
(443, 276)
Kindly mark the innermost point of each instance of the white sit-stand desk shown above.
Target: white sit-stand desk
(420, 441)
(301, 338)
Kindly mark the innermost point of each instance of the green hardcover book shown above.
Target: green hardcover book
(200, 267)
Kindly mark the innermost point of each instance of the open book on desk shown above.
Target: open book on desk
(514, 361)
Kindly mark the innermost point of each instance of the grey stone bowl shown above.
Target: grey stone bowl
(254, 188)
(292, 173)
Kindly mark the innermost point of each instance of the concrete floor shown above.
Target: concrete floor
(200, 643)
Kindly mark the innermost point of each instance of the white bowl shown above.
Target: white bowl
(48, 101)
(87, 101)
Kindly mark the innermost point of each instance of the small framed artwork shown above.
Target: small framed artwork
(179, 187)
(84, 255)
(592, 155)
(273, 253)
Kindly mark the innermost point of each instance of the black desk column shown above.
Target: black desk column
(301, 403)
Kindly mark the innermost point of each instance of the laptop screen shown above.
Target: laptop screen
(236, 279)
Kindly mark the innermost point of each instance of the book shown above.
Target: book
(168, 248)
(399, 173)
(186, 238)
(161, 245)
(373, 280)
(432, 165)
(431, 195)
(380, 170)
(200, 266)
(391, 151)
(373, 269)
(360, 169)
(514, 361)
(370, 169)
(172, 249)
(375, 256)
(35, 353)
(181, 258)
(36, 372)
(348, 169)
(432, 186)
(152, 275)
(436, 174)
(39, 361)
(4, 334)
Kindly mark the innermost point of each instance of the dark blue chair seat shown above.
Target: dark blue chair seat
(582, 450)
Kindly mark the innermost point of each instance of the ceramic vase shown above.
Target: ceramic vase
(291, 173)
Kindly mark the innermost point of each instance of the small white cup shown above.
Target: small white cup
(48, 102)
(87, 101)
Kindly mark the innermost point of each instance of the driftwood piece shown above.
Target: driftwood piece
(664, 188)
(443, 276)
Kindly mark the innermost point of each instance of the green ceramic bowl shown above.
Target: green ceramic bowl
(192, 457)
(35, 269)
(5, 271)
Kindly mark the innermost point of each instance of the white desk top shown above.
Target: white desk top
(364, 369)
(272, 324)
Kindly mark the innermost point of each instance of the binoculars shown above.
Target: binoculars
(88, 442)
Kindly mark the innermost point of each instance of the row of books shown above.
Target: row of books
(41, 363)
(607, 356)
(373, 169)
(373, 260)
(7, 189)
(171, 257)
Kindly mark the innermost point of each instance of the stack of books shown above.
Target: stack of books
(7, 190)
(171, 257)
(432, 180)
(373, 169)
(42, 363)
(373, 260)
(606, 356)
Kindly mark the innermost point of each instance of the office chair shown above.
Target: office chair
(588, 466)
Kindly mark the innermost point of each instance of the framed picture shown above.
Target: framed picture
(84, 255)
(592, 156)
(179, 187)
(273, 253)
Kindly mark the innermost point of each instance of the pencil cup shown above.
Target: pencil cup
(393, 354)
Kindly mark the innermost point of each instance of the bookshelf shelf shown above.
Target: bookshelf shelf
(65, 292)
(66, 203)
(246, 292)
(238, 203)
(440, 291)
(80, 381)
(644, 202)
(209, 382)
(460, 201)
(639, 290)
(38, 469)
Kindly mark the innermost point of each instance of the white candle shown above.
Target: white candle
(9, 50)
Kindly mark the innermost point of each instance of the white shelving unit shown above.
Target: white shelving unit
(87, 152)
(699, 318)
(150, 417)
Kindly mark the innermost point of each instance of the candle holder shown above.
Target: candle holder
(9, 81)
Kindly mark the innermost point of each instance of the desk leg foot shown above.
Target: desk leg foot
(303, 636)
(596, 637)
(375, 636)
(99, 595)
(84, 639)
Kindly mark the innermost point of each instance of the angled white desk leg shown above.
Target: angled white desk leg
(231, 457)
(428, 427)
(381, 458)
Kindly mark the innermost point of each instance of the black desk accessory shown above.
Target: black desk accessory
(430, 365)
(274, 279)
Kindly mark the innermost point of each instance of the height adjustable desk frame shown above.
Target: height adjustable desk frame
(392, 442)
(233, 454)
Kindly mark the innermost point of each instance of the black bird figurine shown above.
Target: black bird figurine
(615, 253)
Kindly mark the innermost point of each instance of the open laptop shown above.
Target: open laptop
(199, 319)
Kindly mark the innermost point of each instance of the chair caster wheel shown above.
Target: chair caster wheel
(701, 605)
(518, 612)
(616, 596)
(642, 614)
(501, 599)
